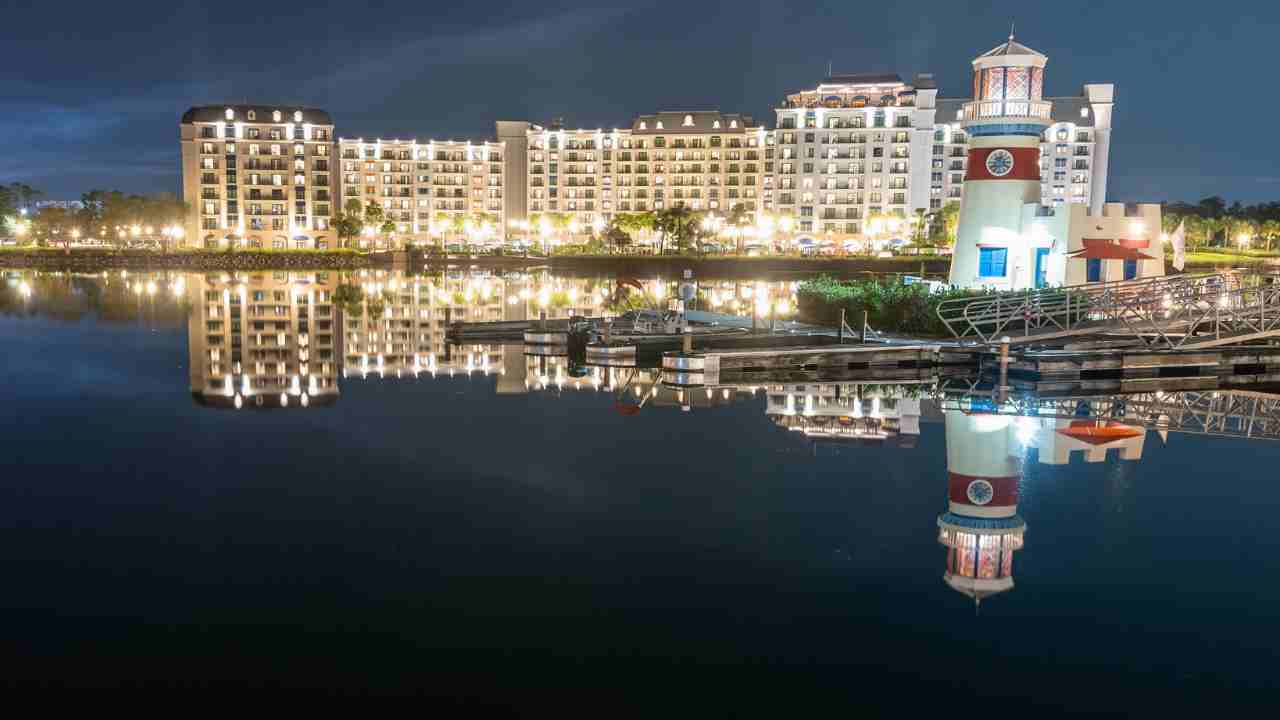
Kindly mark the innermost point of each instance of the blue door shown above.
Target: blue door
(1042, 260)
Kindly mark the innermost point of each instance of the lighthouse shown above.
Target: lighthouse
(981, 528)
(1004, 123)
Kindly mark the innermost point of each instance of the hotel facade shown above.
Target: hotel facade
(857, 157)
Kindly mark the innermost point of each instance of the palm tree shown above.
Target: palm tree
(739, 220)
(1270, 229)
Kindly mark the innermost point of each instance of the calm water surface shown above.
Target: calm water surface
(480, 523)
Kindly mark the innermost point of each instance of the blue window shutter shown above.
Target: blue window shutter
(1130, 269)
(991, 262)
(1093, 269)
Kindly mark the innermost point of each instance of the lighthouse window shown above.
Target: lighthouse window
(991, 261)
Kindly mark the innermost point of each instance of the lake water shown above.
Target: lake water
(228, 479)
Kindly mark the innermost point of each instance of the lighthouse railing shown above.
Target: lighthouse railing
(984, 109)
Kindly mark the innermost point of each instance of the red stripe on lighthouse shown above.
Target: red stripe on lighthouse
(1004, 489)
(1026, 164)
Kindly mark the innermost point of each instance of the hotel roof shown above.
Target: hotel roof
(863, 79)
(262, 113)
(694, 121)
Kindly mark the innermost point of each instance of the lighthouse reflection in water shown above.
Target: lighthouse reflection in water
(986, 456)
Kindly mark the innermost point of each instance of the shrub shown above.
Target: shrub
(890, 306)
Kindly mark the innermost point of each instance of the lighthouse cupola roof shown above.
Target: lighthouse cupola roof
(1011, 48)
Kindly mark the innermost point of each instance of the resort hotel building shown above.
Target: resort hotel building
(258, 176)
(856, 160)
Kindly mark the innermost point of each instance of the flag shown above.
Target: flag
(1179, 241)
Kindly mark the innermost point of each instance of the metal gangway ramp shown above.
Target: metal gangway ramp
(1175, 312)
(1225, 413)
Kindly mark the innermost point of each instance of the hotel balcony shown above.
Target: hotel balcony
(994, 109)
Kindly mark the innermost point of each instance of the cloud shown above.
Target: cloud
(489, 45)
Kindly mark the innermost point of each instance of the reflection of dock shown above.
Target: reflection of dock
(870, 362)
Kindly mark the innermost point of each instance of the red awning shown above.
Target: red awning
(1095, 249)
(1095, 433)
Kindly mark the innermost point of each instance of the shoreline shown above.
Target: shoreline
(710, 266)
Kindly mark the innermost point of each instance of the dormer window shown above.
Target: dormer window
(716, 124)
(688, 121)
(251, 115)
(1084, 112)
(733, 123)
(659, 125)
(644, 125)
(231, 114)
(959, 114)
(275, 116)
(297, 116)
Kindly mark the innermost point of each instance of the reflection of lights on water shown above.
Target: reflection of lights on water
(1026, 430)
(24, 289)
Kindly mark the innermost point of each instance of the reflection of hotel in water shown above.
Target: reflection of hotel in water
(851, 412)
(262, 339)
(408, 338)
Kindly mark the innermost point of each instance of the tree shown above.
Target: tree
(679, 224)
(53, 225)
(942, 231)
(375, 218)
(349, 298)
(918, 231)
(24, 195)
(738, 221)
(1270, 231)
(1212, 207)
(350, 222)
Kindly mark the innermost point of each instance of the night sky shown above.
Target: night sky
(92, 94)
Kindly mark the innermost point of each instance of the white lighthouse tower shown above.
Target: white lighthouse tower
(981, 527)
(1004, 123)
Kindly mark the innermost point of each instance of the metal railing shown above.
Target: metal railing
(1180, 311)
(1241, 414)
(983, 109)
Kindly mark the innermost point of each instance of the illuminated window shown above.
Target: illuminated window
(297, 116)
(251, 115)
(231, 114)
(275, 116)
(688, 121)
